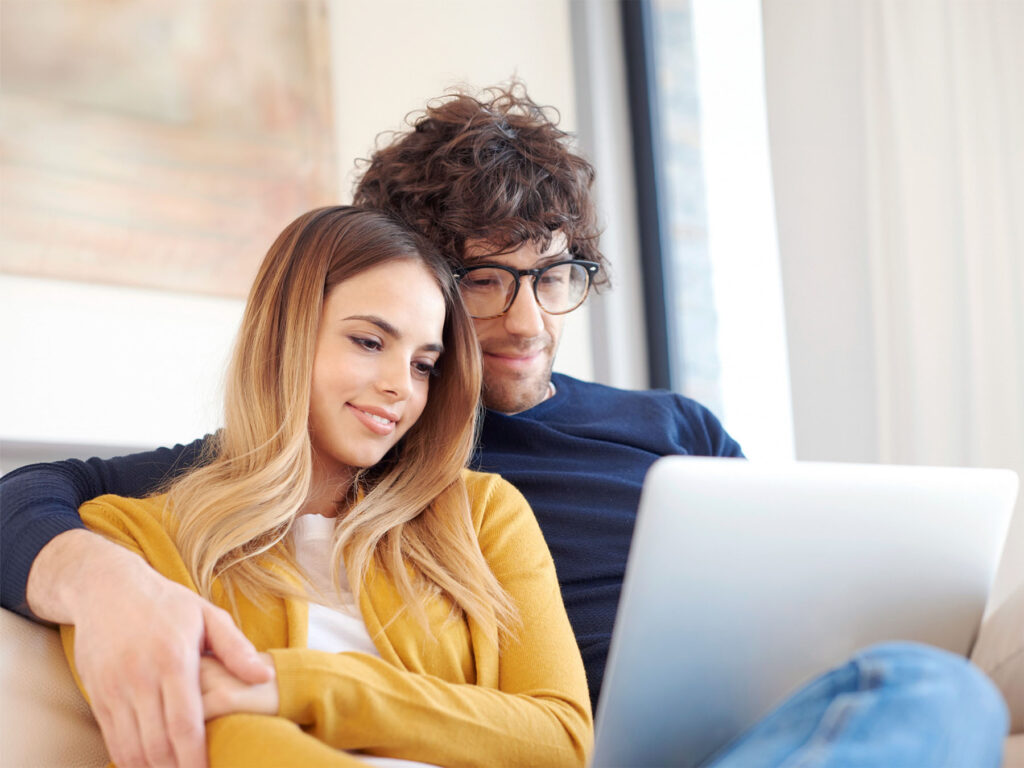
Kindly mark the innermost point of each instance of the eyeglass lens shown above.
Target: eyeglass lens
(559, 288)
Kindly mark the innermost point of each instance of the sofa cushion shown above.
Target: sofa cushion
(999, 651)
(44, 721)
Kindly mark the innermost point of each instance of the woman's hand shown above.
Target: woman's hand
(225, 694)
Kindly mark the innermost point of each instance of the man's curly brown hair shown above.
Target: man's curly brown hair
(495, 167)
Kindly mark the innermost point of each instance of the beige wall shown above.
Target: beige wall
(103, 365)
(390, 56)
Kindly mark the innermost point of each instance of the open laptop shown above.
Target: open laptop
(747, 580)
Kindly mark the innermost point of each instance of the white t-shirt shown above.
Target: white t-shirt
(335, 623)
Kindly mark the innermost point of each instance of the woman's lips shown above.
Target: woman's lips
(376, 420)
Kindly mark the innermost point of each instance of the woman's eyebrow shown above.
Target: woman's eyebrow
(380, 322)
(393, 332)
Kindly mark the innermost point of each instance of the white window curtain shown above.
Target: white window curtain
(897, 137)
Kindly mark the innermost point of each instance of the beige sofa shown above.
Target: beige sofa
(999, 651)
(45, 722)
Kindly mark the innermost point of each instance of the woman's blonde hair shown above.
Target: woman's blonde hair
(231, 517)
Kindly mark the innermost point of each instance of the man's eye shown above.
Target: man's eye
(482, 283)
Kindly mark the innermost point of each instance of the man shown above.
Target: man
(494, 183)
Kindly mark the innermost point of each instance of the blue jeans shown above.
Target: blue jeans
(897, 705)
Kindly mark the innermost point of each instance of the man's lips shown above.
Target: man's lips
(377, 420)
(514, 359)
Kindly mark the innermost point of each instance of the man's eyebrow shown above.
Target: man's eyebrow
(563, 255)
(495, 259)
(391, 331)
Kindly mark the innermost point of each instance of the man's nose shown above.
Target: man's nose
(525, 317)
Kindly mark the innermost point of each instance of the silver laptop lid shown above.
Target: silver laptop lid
(746, 580)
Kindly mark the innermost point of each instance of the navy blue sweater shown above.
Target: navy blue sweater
(579, 458)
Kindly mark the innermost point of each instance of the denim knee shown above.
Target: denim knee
(942, 677)
(899, 705)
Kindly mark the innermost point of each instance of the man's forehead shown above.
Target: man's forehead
(479, 250)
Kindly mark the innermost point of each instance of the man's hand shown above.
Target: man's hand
(225, 694)
(138, 641)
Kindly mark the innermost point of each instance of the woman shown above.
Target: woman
(350, 414)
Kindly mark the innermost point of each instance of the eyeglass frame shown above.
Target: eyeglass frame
(591, 267)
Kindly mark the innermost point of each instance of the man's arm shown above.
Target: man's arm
(139, 638)
(703, 433)
(41, 501)
(139, 635)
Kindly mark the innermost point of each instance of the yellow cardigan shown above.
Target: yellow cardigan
(453, 701)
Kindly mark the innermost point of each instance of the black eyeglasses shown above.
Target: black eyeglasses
(489, 290)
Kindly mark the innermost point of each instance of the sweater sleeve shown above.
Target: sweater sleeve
(539, 714)
(257, 741)
(701, 430)
(722, 443)
(254, 741)
(40, 501)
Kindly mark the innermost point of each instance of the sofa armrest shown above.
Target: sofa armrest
(999, 652)
(43, 718)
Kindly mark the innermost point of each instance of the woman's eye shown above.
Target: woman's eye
(369, 344)
(426, 369)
